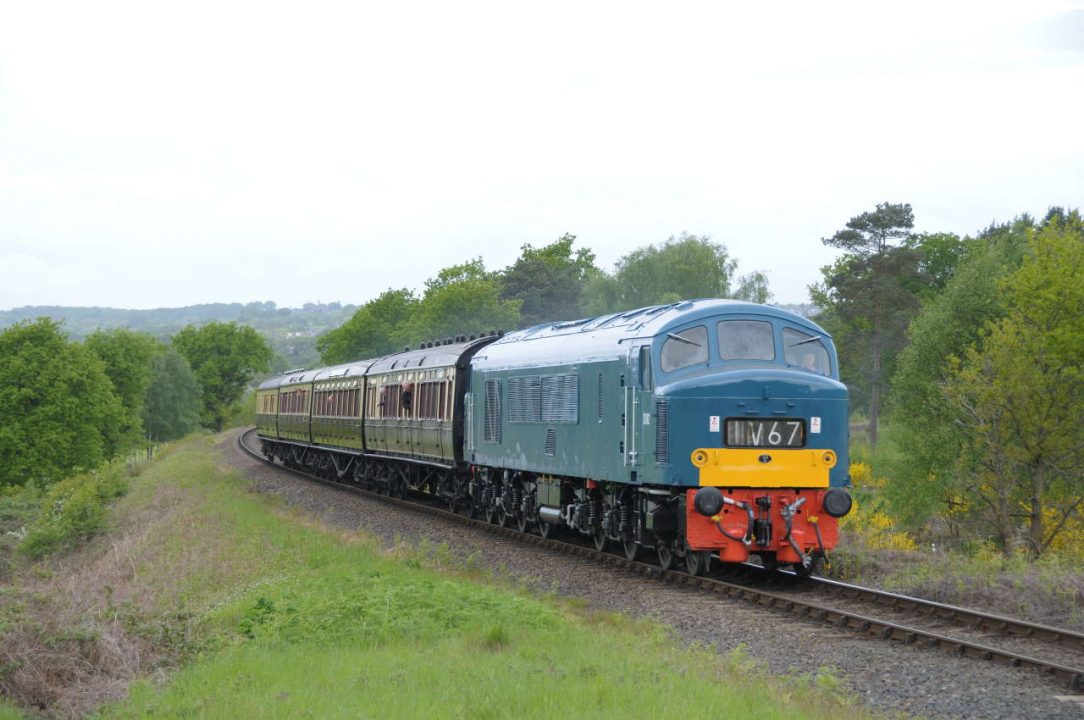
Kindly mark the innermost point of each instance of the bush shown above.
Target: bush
(73, 510)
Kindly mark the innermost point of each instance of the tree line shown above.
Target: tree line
(67, 406)
(971, 349)
(553, 282)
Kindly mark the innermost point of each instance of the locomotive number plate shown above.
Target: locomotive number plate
(755, 433)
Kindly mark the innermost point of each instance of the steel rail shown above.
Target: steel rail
(975, 619)
(1073, 678)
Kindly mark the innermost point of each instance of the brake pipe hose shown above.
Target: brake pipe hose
(788, 517)
(718, 520)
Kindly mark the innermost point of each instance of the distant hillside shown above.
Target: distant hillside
(292, 332)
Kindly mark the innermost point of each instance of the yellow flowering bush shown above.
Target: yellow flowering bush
(867, 521)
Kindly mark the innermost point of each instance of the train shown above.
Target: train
(698, 431)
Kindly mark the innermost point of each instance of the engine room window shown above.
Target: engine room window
(688, 347)
(746, 340)
(806, 352)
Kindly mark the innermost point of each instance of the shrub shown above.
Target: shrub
(73, 510)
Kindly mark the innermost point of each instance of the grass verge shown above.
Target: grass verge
(255, 611)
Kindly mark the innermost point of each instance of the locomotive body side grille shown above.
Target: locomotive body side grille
(551, 442)
(492, 423)
(561, 398)
(662, 431)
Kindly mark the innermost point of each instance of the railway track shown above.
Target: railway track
(1054, 653)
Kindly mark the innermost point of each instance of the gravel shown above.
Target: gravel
(886, 676)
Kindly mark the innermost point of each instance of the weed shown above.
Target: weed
(496, 637)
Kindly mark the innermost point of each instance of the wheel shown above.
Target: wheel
(546, 529)
(697, 562)
(522, 522)
(490, 513)
(666, 556)
(632, 548)
(502, 516)
(599, 536)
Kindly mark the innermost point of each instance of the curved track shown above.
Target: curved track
(865, 611)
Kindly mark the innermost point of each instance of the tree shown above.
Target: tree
(1018, 395)
(681, 268)
(462, 299)
(939, 255)
(947, 325)
(377, 328)
(172, 406)
(549, 281)
(127, 357)
(58, 407)
(224, 357)
(869, 297)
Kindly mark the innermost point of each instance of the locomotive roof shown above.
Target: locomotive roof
(605, 337)
(439, 355)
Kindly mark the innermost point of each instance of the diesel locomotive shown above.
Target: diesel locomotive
(697, 431)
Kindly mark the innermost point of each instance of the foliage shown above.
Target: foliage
(549, 281)
(224, 357)
(127, 357)
(377, 328)
(73, 510)
(869, 521)
(463, 299)
(682, 268)
(57, 404)
(1018, 395)
(947, 325)
(939, 254)
(292, 332)
(868, 298)
(172, 406)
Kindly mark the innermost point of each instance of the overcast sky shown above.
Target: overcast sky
(163, 154)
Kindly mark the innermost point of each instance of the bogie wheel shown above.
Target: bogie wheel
(697, 562)
(490, 513)
(666, 556)
(502, 516)
(522, 522)
(546, 529)
(599, 536)
(632, 548)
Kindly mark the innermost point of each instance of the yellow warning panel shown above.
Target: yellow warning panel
(763, 467)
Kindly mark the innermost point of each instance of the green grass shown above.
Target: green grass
(10, 712)
(275, 615)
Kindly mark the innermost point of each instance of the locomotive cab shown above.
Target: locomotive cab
(752, 420)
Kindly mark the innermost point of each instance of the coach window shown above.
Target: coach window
(746, 340)
(688, 347)
(806, 352)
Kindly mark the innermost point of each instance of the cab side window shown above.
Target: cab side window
(688, 347)
(806, 352)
